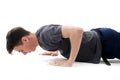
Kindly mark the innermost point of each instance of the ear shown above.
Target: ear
(24, 39)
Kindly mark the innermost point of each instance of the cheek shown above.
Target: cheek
(28, 48)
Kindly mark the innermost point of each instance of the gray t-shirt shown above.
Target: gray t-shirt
(50, 38)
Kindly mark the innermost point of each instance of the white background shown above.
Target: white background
(32, 14)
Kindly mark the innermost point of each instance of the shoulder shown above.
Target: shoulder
(49, 29)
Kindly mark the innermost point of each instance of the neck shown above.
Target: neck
(35, 39)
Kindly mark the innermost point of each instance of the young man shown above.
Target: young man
(72, 42)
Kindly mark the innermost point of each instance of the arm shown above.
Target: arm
(50, 53)
(75, 36)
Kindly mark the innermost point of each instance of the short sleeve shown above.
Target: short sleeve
(50, 37)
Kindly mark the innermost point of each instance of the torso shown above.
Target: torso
(50, 38)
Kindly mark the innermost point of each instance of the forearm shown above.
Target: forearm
(75, 40)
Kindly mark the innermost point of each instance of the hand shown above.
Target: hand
(55, 53)
(64, 63)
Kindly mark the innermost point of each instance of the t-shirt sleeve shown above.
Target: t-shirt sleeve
(50, 36)
(53, 33)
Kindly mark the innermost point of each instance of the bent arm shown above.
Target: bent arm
(75, 36)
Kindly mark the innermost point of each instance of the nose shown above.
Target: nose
(24, 53)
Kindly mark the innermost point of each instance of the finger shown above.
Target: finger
(51, 63)
(54, 63)
(45, 53)
(53, 54)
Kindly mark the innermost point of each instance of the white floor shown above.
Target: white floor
(31, 14)
(36, 67)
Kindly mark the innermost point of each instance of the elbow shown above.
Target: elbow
(80, 31)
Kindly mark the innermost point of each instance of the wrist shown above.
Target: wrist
(70, 62)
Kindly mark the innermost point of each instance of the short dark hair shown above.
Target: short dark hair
(14, 36)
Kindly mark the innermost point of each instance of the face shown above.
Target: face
(27, 46)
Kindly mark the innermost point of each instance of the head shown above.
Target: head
(21, 40)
